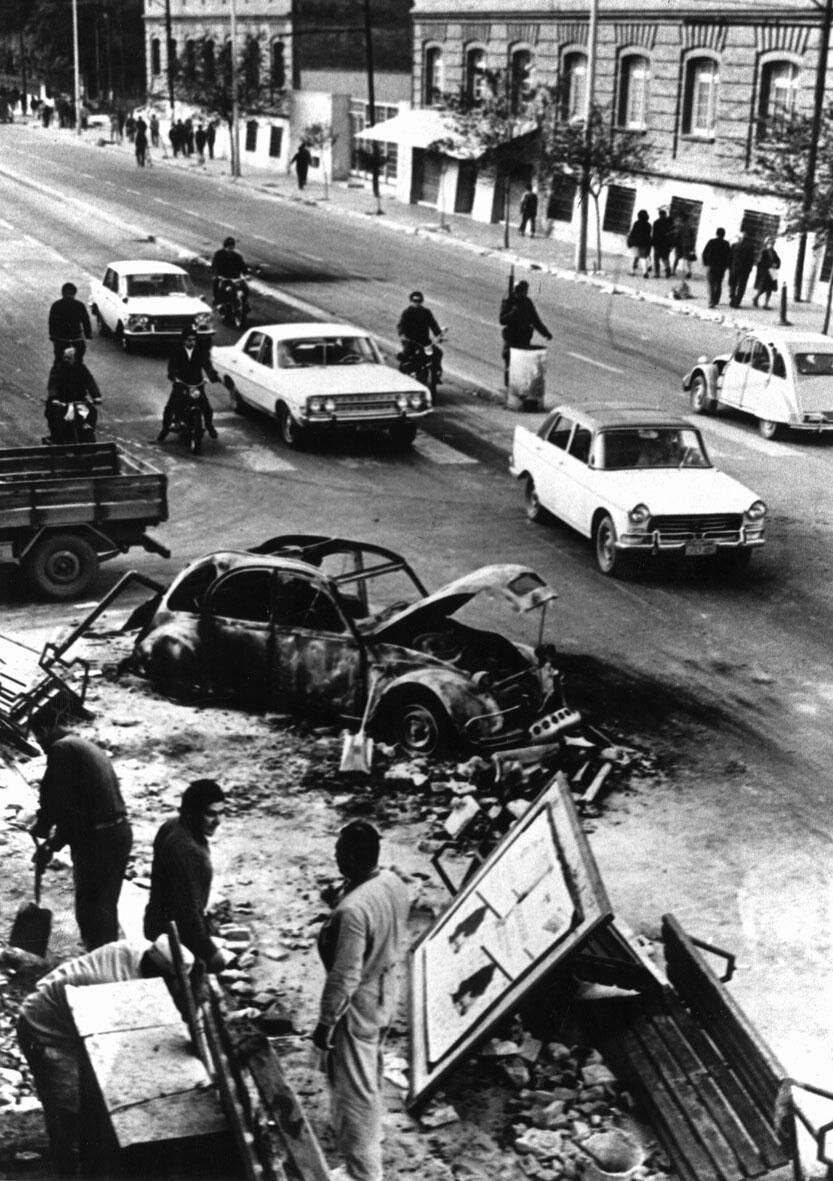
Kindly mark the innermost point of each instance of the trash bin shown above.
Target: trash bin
(527, 368)
(613, 1156)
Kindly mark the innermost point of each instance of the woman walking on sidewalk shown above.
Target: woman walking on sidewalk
(766, 273)
(639, 243)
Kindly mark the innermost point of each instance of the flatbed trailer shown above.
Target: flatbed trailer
(66, 509)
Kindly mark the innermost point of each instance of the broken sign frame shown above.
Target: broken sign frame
(535, 900)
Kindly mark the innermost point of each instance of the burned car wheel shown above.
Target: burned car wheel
(419, 725)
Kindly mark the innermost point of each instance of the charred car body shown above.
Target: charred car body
(342, 629)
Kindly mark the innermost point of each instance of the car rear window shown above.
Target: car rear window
(814, 364)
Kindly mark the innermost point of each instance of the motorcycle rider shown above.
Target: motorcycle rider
(189, 365)
(69, 322)
(415, 327)
(71, 399)
(227, 263)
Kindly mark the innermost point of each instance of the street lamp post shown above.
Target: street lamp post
(76, 71)
(584, 200)
(235, 113)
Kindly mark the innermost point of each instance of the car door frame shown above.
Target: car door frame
(244, 364)
(108, 302)
(732, 394)
(550, 475)
(209, 626)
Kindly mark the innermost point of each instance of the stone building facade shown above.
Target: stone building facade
(699, 78)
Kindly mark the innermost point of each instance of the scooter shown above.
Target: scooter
(233, 302)
(70, 422)
(421, 361)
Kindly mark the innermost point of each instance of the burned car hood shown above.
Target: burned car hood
(520, 586)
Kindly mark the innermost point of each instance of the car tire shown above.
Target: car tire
(608, 557)
(237, 403)
(768, 429)
(103, 330)
(419, 725)
(701, 403)
(535, 511)
(293, 435)
(402, 435)
(123, 340)
(62, 566)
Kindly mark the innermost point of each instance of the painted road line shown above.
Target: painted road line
(593, 361)
(739, 438)
(436, 452)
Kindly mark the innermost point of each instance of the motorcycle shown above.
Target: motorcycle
(70, 422)
(233, 302)
(188, 421)
(422, 361)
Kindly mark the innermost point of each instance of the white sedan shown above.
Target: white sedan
(635, 481)
(316, 377)
(143, 299)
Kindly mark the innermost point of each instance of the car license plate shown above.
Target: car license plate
(698, 549)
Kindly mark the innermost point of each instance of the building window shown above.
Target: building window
(561, 198)
(779, 86)
(171, 51)
(224, 63)
(633, 92)
(361, 152)
(759, 226)
(433, 75)
(251, 135)
(619, 209)
(208, 63)
(275, 140)
(278, 65)
(476, 75)
(251, 64)
(189, 65)
(155, 57)
(520, 72)
(574, 102)
(699, 112)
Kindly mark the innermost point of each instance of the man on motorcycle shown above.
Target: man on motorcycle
(415, 327)
(72, 397)
(69, 323)
(188, 366)
(227, 264)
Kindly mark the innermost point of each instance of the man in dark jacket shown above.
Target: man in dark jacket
(416, 326)
(302, 160)
(189, 366)
(741, 261)
(81, 806)
(529, 212)
(716, 258)
(519, 319)
(180, 876)
(71, 382)
(662, 237)
(227, 263)
(69, 323)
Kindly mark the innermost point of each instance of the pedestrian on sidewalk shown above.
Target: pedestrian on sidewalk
(519, 319)
(154, 130)
(188, 126)
(210, 136)
(716, 258)
(130, 127)
(361, 944)
(81, 805)
(639, 243)
(122, 116)
(740, 267)
(529, 211)
(683, 244)
(115, 134)
(140, 141)
(766, 273)
(69, 323)
(662, 238)
(302, 160)
(49, 1040)
(200, 140)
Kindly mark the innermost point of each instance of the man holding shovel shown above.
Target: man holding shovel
(81, 806)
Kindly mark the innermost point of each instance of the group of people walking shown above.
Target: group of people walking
(659, 247)
(361, 944)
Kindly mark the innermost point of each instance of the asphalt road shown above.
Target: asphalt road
(750, 660)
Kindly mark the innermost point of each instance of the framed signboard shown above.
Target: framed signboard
(535, 900)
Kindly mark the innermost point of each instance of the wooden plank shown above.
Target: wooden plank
(294, 1128)
(242, 1134)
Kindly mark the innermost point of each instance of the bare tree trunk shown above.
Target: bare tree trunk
(507, 186)
(598, 232)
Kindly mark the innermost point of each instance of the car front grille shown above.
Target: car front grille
(172, 323)
(364, 404)
(689, 525)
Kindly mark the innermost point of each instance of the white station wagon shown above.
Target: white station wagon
(635, 480)
(318, 377)
(782, 378)
(142, 299)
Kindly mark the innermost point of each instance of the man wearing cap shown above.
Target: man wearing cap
(361, 945)
(69, 322)
(49, 1040)
(180, 876)
(81, 805)
(416, 324)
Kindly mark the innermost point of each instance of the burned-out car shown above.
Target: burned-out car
(345, 630)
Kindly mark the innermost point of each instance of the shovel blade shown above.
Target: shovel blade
(356, 753)
(31, 929)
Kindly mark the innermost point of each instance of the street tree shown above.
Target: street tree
(589, 158)
(492, 121)
(321, 137)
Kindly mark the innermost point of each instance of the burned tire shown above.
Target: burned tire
(62, 566)
(418, 724)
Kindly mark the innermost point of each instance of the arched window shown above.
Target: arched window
(521, 65)
(278, 66)
(224, 63)
(171, 51)
(433, 80)
(251, 63)
(634, 79)
(574, 101)
(209, 65)
(155, 57)
(779, 87)
(700, 108)
(475, 74)
(189, 65)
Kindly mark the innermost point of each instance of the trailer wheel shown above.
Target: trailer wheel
(62, 566)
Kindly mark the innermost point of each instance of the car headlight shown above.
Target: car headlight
(138, 323)
(330, 405)
(640, 515)
(315, 405)
(203, 321)
(756, 511)
(402, 401)
(415, 401)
